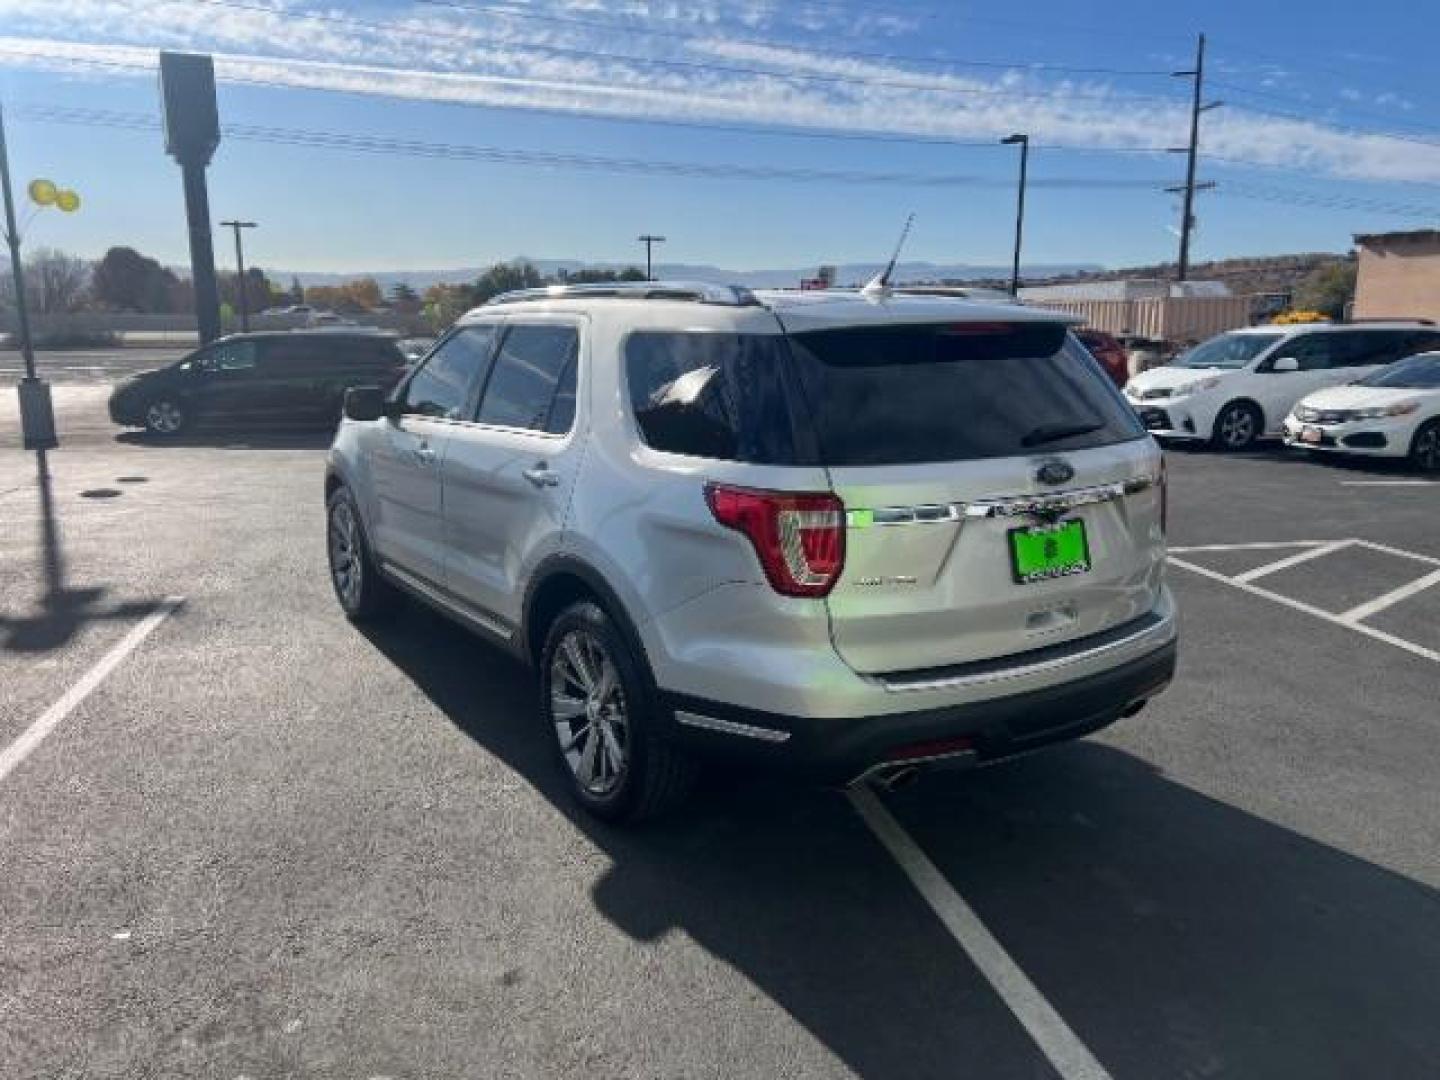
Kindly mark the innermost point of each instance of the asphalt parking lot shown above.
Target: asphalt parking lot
(267, 844)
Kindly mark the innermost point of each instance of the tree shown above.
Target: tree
(55, 282)
(297, 291)
(1328, 288)
(600, 277)
(505, 277)
(445, 303)
(404, 299)
(125, 280)
(352, 297)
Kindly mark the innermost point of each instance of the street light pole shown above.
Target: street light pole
(1023, 141)
(12, 238)
(649, 241)
(37, 415)
(240, 265)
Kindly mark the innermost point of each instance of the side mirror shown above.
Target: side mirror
(365, 403)
(1285, 363)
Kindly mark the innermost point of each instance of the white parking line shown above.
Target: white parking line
(1264, 545)
(1311, 609)
(35, 734)
(1069, 1056)
(1293, 560)
(1389, 599)
(1388, 483)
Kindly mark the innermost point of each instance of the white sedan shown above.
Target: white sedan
(1394, 412)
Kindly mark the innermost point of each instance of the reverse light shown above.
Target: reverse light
(799, 537)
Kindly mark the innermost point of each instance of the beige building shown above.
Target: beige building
(1399, 275)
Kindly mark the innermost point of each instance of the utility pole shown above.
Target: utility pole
(649, 241)
(37, 418)
(1024, 143)
(240, 264)
(1187, 214)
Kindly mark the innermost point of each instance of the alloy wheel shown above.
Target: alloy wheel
(346, 567)
(1237, 428)
(587, 707)
(1427, 450)
(164, 417)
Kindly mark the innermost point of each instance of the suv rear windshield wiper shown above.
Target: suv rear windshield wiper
(1047, 433)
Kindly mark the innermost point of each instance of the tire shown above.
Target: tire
(1237, 427)
(622, 770)
(364, 595)
(166, 417)
(1425, 448)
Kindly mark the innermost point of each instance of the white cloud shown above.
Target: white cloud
(432, 54)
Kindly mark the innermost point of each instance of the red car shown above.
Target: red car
(1109, 352)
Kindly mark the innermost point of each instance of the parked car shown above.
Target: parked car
(280, 377)
(1108, 352)
(857, 538)
(1240, 385)
(1394, 412)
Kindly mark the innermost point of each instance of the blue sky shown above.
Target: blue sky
(1328, 127)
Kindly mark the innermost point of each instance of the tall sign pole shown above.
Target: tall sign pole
(192, 132)
(37, 417)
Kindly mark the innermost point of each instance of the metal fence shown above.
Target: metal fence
(1173, 319)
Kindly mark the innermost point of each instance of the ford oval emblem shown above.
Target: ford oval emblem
(1054, 473)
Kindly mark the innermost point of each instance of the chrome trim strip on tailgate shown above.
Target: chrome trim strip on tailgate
(1003, 506)
(1161, 630)
(730, 727)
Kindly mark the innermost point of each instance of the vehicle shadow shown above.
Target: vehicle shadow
(228, 438)
(1182, 936)
(1177, 935)
(60, 611)
(782, 884)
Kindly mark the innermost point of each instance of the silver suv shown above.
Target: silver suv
(856, 534)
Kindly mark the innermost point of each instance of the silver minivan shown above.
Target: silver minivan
(857, 535)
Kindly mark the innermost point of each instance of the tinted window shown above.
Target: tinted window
(1226, 351)
(228, 356)
(1348, 348)
(301, 356)
(443, 386)
(1417, 373)
(902, 394)
(712, 395)
(533, 384)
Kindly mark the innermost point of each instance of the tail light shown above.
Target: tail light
(798, 537)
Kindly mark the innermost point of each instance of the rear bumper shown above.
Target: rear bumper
(839, 750)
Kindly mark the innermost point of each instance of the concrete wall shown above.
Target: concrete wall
(1192, 318)
(1399, 277)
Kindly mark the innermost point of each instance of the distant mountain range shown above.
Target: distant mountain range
(845, 273)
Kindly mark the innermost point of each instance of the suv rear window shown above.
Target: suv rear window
(892, 395)
(713, 395)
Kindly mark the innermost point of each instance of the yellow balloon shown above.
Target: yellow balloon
(67, 201)
(43, 191)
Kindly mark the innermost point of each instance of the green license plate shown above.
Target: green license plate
(1043, 552)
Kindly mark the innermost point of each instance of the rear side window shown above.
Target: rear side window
(712, 395)
(893, 395)
(442, 387)
(533, 384)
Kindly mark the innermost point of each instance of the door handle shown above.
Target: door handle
(541, 476)
(425, 454)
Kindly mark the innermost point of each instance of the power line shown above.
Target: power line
(694, 65)
(363, 143)
(702, 125)
(692, 35)
(1294, 197)
(1271, 96)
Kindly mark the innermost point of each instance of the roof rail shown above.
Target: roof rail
(1390, 319)
(699, 292)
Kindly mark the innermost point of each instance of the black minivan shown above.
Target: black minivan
(286, 377)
